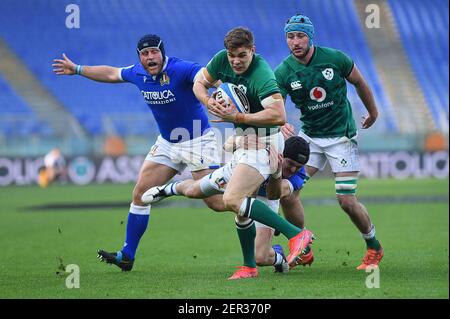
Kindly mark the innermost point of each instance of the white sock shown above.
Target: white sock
(370, 234)
(171, 189)
(278, 259)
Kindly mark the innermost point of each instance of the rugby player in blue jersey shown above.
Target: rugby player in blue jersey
(186, 138)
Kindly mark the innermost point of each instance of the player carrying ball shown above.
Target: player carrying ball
(248, 169)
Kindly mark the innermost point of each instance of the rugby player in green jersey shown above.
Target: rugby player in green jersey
(315, 79)
(248, 169)
(238, 64)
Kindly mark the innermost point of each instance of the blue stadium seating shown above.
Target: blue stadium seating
(16, 117)
(192, 30)
(424, 33)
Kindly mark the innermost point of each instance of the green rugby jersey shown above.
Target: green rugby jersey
(258, 82)
(319, 90)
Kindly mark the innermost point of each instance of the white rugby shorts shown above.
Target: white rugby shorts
(341, 152)
(196, 154)
(258, 159)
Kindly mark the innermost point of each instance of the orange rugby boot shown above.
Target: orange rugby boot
(297, 246)
(371, 258)
(306, 259)
(244, 272)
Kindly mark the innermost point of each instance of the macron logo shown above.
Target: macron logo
(296, 85)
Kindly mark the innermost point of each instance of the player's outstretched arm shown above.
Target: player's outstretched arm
(100, 73)
(366, 96)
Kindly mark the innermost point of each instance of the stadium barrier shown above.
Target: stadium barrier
(83, 170)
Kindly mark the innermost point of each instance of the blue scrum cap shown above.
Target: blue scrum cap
(300, 23)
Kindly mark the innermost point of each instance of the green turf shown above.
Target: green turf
(189, 252)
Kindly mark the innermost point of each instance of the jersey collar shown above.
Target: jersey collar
(310, 60)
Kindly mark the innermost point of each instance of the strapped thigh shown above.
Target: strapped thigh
(346, 185)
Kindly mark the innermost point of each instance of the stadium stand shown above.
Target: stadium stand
(110, 29)
(424, 33)
(336, 35)
(16, 117)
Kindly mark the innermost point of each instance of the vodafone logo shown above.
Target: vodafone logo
(317, 94)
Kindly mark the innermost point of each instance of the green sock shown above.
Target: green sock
(247, 233)
(371, 240)
(373, 243)
(262, 213)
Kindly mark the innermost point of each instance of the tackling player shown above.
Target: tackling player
(288, 178)
(273, 192)
(166, 86)
(315, 79)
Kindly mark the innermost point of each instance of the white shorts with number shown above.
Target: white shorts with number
(258, 159)
(219, 180)
(197, 154)
(340, 152)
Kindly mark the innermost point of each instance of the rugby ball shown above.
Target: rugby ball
(231, 92)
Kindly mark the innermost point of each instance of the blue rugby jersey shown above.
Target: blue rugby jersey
(170, 97)
(297, 180)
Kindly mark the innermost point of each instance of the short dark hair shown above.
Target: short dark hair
(237, 38)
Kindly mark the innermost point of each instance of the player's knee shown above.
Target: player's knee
(137, 196)
(347, 202)
(345, 191)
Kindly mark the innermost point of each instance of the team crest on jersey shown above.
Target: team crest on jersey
(328, 73)
(317, 94)
(164, 79)
(296, 85)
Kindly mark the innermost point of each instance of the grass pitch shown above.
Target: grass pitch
(189, 252)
